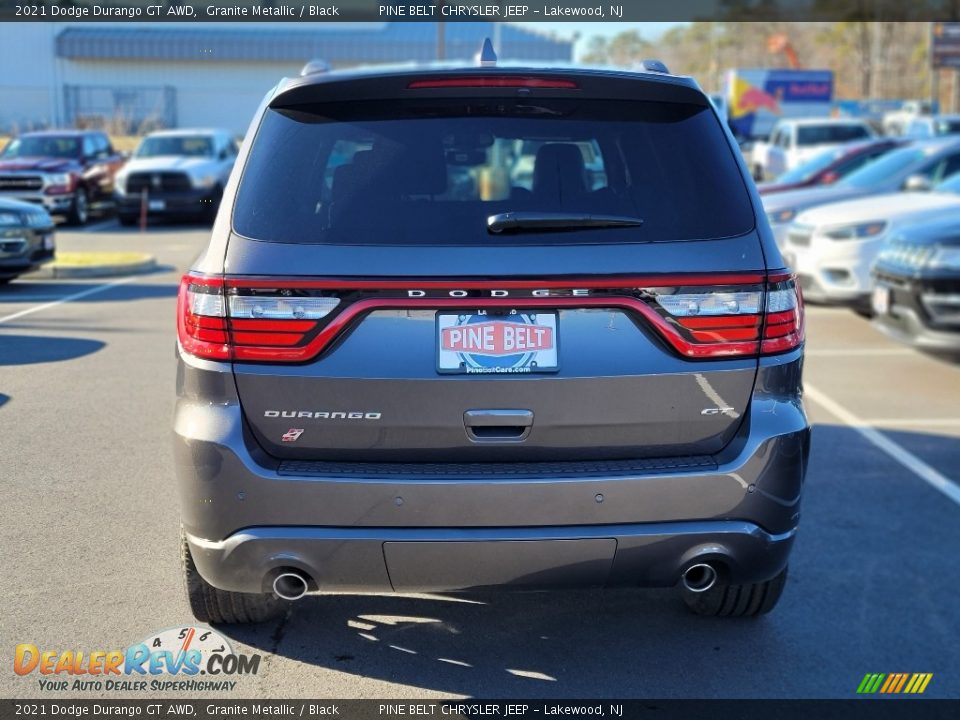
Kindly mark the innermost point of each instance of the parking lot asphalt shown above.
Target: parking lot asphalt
(89, 539)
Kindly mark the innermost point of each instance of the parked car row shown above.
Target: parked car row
(26, 238)
(75, 174)
(883, 239)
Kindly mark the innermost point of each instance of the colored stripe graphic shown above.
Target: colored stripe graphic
(894, 683)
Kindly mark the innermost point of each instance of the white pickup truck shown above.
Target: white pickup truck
(793, 142)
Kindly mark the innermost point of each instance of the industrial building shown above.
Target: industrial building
(132, 78)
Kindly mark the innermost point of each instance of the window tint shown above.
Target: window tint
(189, 145)
(433, 173)
(856, 163)
(948, 127)
(946, 167)
(950, 184)
(823, 134)
(43, 146)
(101, 146)
(814, 165)
(886, 168)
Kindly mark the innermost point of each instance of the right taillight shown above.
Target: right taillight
(730, 320)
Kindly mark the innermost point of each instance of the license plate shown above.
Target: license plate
(156, 204)
(880, 300)
(515, 342)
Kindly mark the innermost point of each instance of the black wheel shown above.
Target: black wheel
(80, 210)
(212, 605)
(127, 220)
(748, 600)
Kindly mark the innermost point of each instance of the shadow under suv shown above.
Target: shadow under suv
(404, 366)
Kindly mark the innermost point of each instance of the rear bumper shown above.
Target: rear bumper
(906, 326)
(245, 516)
(448, 559)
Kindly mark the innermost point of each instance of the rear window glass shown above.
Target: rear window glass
(418, 173)
(807, 170)
(43, 146)
(823, 134)
(948, 127)
(887, 167)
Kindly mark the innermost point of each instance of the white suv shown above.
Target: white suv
(793, 142)
(833, 247)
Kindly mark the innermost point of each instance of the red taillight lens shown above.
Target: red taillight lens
(728, 321)
(201, 318)
(783, 327)
(492, 81)
(290, 320)
(220, 322)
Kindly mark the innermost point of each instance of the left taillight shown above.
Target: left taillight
(202, 318)
(223, 321)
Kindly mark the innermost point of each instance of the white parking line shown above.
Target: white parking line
(903, 456)
(68, 298)
(858, 352)
(915, 422)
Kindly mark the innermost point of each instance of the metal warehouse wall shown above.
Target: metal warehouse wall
(207, 93)
(27, 74)
(216, 75)
(32, 81)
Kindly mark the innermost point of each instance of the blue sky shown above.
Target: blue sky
(648, 30)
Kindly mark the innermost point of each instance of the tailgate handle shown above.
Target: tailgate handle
(498, 425)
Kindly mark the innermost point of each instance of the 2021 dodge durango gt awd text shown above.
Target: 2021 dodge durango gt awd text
(403, 367)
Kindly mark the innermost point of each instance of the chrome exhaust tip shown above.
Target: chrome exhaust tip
(290, 586)
(699, 578)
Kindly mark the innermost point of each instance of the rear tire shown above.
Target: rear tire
(212, 605)
(80, 209)
(750, 600)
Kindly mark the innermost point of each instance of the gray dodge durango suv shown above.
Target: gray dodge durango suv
(488, 327)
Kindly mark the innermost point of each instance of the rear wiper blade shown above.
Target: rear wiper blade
(556, 222)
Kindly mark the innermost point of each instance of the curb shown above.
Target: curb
(148, 264)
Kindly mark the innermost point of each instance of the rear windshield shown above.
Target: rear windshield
(824, 134)
(418, 173)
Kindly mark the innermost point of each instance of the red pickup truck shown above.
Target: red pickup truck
(70, 172)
